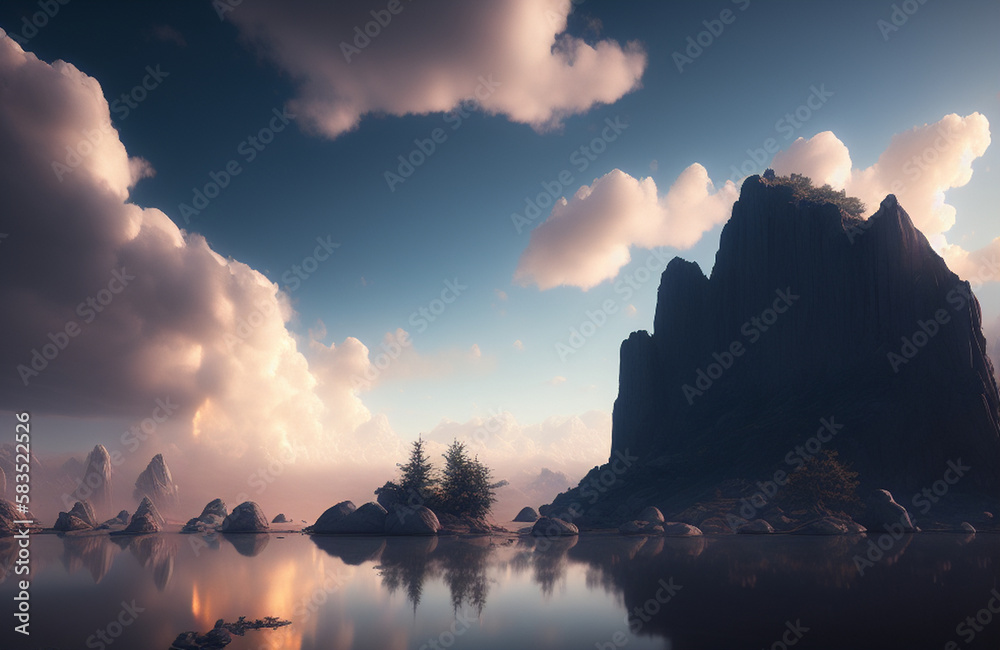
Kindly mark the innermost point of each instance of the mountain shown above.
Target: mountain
(816, 330)
(95, 486)
(156, 483)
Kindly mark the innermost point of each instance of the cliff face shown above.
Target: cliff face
(156, 483)
(810, 314)
(96, 486)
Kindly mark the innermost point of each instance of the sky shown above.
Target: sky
(282, 240)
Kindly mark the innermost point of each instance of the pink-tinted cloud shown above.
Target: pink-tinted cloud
(918, 166)
(512, 57)
(587, 239)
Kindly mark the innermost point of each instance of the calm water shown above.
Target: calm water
(734, 592)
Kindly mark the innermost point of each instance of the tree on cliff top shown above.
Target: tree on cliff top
(804, 191)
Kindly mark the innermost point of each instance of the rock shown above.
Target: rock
(527, 515)
(218, 637)
(245, 518)
(718, 526)
(755, 527)
(116, 523)
(848, 291)
(142, 523)
(329, 521)
(148, 509)
(409, 521)
(210, 519)
(96, 486)
(882, 510)
(280, 519)
(156, 482)
(634, 527)
(553, 527)
(678, 529)
(3, 484)
(369, 519)
(824, 526)
(9, 514)
(80, 517)
(67, 522)
(652, 514)
(966, 527)
(186, 641)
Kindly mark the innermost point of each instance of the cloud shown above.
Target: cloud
(587, 239)
(512, 57)
(500, 294)
(558, 379)
(518, 345)
(630, 310)
(918, 166)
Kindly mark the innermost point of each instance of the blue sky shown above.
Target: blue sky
(451, 220)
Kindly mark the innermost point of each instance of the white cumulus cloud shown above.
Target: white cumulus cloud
(512, 57)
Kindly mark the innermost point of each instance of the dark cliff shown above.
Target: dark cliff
(808, 314)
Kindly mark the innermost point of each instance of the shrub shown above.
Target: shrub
(804, 191)
(822, 483)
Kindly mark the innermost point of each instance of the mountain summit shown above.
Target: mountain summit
(817, 330)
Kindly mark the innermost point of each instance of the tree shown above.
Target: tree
(418, 475)
(804, 191)
(822, 483)
(466, 484)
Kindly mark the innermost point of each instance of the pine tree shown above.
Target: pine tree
(418, 475)
(466, 488)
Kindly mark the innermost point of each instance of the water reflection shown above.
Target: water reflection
(396, 593)
(95, 552)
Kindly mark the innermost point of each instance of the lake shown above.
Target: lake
(598, 591)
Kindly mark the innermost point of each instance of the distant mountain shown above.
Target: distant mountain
(816, 330)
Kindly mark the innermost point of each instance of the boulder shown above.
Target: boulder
(245, 518)
(553, 527)
(720, 526)
(755, 527)
(9, 514)
(882, 510)
(824, 526)
(148, 509)
(143, 521)
(678, 529)
(210, 519)
(527, 515)
(67, 522)
(633, 527)
(369, 519)
(280, 519)
(652, 514)
(410, 521)
(331, 517)
(157, 483)
(966, 527)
